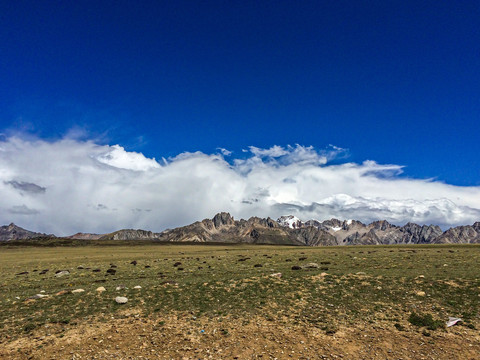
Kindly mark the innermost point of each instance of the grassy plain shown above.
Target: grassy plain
(222, 302)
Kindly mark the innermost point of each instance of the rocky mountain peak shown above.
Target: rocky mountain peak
(290, 221)
(223, 219)
(381, 225)
(14, 232)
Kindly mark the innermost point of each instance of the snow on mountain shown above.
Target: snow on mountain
(290, 221)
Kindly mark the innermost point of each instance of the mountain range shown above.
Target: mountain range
(287, 230)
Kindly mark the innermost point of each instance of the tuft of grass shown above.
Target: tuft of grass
(425, 320)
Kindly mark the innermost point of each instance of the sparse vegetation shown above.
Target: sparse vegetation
(387, 287)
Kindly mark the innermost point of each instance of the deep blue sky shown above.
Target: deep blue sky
(393, 81)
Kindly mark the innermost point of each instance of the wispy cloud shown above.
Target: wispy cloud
(73, 185)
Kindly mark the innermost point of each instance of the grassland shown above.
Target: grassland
(222, 302)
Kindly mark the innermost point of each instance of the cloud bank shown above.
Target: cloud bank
(68, 186)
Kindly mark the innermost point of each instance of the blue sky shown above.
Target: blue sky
(393, 81)
(396, 82)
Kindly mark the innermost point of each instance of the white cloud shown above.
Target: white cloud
(100, 188)
(116, 156)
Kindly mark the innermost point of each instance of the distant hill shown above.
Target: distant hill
(287, 230)
(84, 236)
(14, 232)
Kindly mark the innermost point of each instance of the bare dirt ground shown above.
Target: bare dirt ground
(180, 336)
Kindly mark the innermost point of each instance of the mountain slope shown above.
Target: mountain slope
(14, 232)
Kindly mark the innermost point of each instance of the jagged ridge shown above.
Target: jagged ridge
(288, 230)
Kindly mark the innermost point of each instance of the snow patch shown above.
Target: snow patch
(290, 221)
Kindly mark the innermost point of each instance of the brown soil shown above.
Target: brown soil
(179, 336)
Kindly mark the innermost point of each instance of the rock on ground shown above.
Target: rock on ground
(121, 300)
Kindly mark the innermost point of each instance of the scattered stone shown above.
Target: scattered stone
(276, 275)
(361, 273)
(311, 266)
(113, 266)
(420, 293)
(302, 258)
(177, 264)
(101, 289)
(111, 271)
(22, 273)
(421, 276)
(77, 291)
(121, 300)
(62, 273)
(288, 260)
(62, 292)
(323, 274)
(137, 287)
(96, 270)
(296, 267)
(134, 262)
(168, 282)
(258, 265)
(36, 296)
(43, 272)
(147, 266)
(180, 268)
(120, 287)
(80, 267)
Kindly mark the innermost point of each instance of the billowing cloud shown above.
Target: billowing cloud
(99, 188)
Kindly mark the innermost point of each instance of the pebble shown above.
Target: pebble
(137, 287)
(77, 291)
(37, 296)
(101, 289)
(62, 273)
(121, 300)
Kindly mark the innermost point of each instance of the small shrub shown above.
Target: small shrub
(424, 320)
(29, 327)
